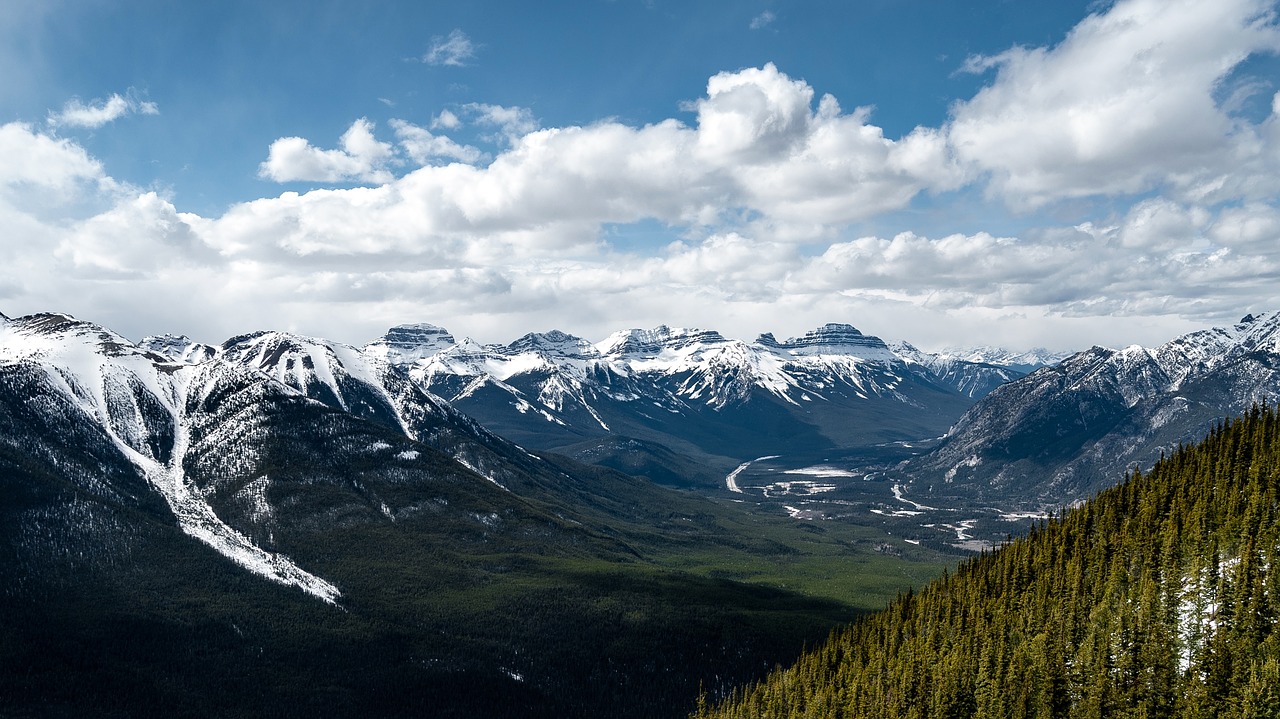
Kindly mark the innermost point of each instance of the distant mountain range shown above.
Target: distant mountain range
(716, 400)
(1064, 432)
(684, 406)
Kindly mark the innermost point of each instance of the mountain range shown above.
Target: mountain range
(1065, 431)
(628, 399)
(291, 526)
(493, 516)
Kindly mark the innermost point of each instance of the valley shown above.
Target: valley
(571, 529)
(865, 488)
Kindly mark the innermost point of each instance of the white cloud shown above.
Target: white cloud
(760, 193)
(498, 250)
(137, 238)
(753, 115)
(511, 122)
(1123, 105)
(361, 158)
(760, 150)
(446, 120)
(763, 20)
(36, 159)
(453, 49)
(423, 147)
(100, 112)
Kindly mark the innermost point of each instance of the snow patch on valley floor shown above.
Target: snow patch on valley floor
(731, 481)
(801, 487)
(822, 471)
(1019, 516)
(897, 494)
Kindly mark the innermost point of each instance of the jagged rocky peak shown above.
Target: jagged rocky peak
(179, 348)
(53, 323)
(405, 344)
(1261, 330)
(831, 338)
(649, 342)
(44, 332)
(909, 353)
(267, 350)
(554, 343)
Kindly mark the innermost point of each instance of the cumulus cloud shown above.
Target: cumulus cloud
(446, 120)
(475, 248)
(760, 148)
(100, 112)
(760, 190)
(138, 237)
(424, 147)
(1124, 104)
(36, 159)
(453, 49)
(362, 158)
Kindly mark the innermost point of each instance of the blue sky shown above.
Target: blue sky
(1057, 174)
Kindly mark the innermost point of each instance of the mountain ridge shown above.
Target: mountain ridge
(1057, 434)
(694, 390)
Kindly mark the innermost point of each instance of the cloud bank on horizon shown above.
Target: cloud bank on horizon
(1127, 166)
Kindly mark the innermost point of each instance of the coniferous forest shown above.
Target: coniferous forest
(1158, 598)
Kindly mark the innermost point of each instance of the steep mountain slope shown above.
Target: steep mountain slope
(285, 526)
(1062, 432)
(706, 397)
(1157, 598)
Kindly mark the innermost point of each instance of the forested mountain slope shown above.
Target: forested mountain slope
(1157, 598)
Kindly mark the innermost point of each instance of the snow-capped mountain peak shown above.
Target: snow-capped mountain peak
(650, 343)
(405, 344)
(138, 399)
(1027, 360)
(336, 374)
(554, 384)
(554, 344)
(831, 339)
(1099, 412)
(179, 348)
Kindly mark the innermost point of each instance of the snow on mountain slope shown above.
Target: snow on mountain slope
(1027, 361)
(712, 370)
(1064, 430)
(404, 344)
(179, 348)
(338, 375)
(139, 399)
(963, 371)
(691, 387)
